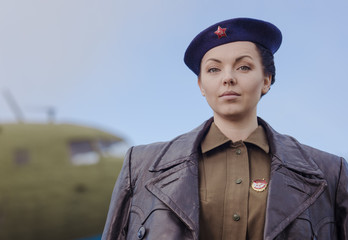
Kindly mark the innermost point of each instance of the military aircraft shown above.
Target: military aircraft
(56, 180)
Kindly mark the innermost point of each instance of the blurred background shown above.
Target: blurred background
(82, 80)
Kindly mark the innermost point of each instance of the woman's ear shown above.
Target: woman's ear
(266, 84)
(201, 87)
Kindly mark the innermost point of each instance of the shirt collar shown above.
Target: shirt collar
(216, 138)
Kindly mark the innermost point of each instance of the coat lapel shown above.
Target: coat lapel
(289, 195)
(176, 185)
(177, 188)
(296, 182)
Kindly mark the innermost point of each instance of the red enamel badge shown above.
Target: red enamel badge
(259, 185)
(221, 32)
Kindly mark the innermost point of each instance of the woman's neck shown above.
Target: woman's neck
(236, 129)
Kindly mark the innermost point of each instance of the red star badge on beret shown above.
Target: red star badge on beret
(221, 32)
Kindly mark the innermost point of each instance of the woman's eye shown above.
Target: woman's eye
(212, 70)
(244, 68)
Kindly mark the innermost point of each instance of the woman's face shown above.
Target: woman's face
(232, 80)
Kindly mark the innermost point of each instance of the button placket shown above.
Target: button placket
(238, 189)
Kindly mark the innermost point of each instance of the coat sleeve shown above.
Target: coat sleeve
(342, 202)
(117, 218)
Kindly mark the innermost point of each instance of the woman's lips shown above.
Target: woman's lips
(229, 95)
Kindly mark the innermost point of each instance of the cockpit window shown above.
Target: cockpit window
(112, 148)
(21, 156)
(83, 153)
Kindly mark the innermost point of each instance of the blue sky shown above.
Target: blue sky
(118, 65)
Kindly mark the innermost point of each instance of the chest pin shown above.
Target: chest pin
(259, 185)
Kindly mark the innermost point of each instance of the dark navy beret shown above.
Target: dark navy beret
(232, 30)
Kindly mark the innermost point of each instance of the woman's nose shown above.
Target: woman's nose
(229, 79)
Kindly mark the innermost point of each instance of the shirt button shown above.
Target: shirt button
(141, 232)
(238, 152)
(236, 217)
(239, 181)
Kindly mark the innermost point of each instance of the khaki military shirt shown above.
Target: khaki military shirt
(232, 205)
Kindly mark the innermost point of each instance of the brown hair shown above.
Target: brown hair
(267, 61)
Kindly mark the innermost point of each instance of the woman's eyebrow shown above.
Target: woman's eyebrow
(213, 59)
(238, 59)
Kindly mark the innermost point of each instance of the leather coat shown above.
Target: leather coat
(156, 195)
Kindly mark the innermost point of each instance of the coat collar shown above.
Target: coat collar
(290, 152)
(287, 150)
(296, 179)
(180, 149)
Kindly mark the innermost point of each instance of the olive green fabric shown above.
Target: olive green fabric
(230, 207)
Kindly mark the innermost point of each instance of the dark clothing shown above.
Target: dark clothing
(156, 195)
(229, 207)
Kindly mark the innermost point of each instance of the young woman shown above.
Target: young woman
(233, 177)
